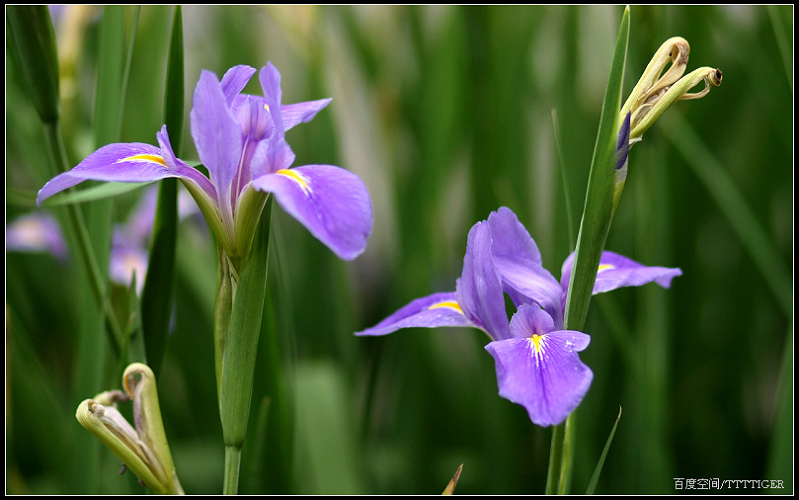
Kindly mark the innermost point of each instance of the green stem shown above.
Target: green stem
(555, 454)
(566, 458)
(232, 466)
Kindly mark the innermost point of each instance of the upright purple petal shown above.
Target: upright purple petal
(217, 135)
(511, 239)
(540, 369)
(616, 271)
(518, 261)
(120, 162)
(270, 82)
(332, 203)
(234, 81)
(479, 289)
(433, 311)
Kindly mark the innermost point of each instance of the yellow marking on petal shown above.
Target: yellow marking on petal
(536, 341)
(296, 177)
(605, 267)
(145, 157)
(448, 303)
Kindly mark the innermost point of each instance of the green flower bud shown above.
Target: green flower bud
(143, 449)
(653, 93)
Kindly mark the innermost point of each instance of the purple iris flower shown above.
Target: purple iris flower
(536, 359)
(240, 140)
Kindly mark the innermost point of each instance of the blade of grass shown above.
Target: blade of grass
(601, 462)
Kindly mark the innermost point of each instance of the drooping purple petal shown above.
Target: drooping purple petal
(120, 162)
(541, 370)
(302, 112)
(217, 135)
(616, 271)
(479, 289)
(518, 261)
(234, 81)
(433, 311)
(332, 203)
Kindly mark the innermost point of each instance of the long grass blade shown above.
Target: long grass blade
(598, 469)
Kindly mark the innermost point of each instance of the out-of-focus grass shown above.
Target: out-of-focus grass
(445, 113)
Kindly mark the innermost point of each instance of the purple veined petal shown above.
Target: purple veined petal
(303, 112)
(518, 261)
(616, 271)
(119, 162)
(332, 203)
(433, 311)
(217, 137)
(541, 370)
(479, 289)
(234, 81)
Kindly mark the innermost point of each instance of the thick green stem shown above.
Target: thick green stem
(232, 467)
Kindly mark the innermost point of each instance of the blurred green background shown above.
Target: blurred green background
(446, 113)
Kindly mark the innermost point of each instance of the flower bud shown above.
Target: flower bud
(653, 93)
(143, 449)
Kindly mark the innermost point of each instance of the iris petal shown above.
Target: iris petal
(479, 289)
(544, 373)
(234, 81)
(302, 112)
(433, 311)
(332, 203)
(120, 162)
(518, 261)
(617, 271)
(217, 135)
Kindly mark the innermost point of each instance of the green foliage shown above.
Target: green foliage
(445, 112)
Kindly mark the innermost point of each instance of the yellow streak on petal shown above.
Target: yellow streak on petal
(448, 303)
(536, 341)
(145, 157)
(299, 179)
(605, 267)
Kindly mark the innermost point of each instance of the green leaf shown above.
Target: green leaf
(240, 348)
(94, 193)
(159, 286)
(33, 41)
(601, 462)
(598, 211)
(594, 228)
